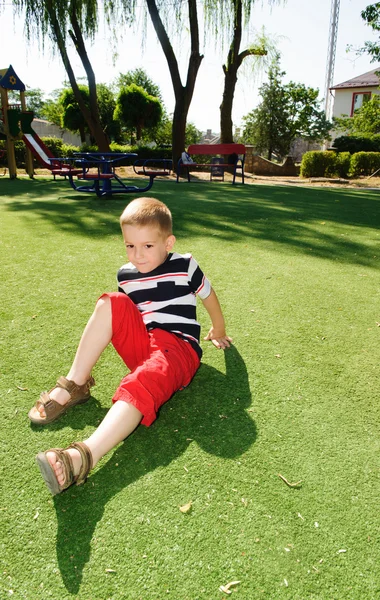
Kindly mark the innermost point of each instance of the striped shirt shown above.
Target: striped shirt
(166, 297)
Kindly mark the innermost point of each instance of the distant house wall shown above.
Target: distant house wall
(344, 98)
(47, 129)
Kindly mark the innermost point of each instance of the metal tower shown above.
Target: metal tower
(333, 34)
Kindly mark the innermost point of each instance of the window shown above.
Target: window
(358, 100)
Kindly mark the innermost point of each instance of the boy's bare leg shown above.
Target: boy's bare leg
(119, 422)
(95, 338)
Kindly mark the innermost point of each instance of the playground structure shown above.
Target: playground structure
(16, 123)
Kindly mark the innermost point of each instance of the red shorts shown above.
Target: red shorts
(160, 362)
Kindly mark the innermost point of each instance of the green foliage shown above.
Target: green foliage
(107, 105)
(34, 101)
(364, 122)
(72, 117)
(318, 164)
(365, 163)
(141, 151)
(137, 110)
(192, 135)
(342, 164)
(55, 145)
(138, 77)
(371, 15)
(52, 111)
(357, 143)
(286, 112)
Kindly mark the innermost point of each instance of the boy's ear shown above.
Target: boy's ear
(170, 242)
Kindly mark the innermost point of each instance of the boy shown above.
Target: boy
(152, 324)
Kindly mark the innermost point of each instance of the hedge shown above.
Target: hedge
(356, 143)
(325, 164)
(365, 163)
(61, 150)
(342, 164)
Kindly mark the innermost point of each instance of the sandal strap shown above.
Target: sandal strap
(71, 387)
(67, 464)
(47, 403)
(87, 462)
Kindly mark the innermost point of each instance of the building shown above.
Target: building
(352, 94)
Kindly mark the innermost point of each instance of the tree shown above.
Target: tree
(75, 19)
(64, 111)
(136, 109)
(72, 118)
(230, 21)
(162, 135)
(285, 113)
(265, 126)
(35, 101)
(371, 15)
(140, 78)
(52, 109)
(364, 122)
(183, 93)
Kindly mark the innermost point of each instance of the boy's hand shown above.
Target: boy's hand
(219, 339)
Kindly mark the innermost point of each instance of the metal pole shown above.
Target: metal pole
(333, 34)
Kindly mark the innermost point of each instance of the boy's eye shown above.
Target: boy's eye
(129, 246)
(149, 246)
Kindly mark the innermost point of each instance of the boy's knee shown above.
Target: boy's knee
(102, 303)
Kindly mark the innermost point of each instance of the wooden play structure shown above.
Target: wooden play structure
(13, 115)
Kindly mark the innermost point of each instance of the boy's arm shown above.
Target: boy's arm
(217, 333)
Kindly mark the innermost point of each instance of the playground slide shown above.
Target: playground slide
(38, 148)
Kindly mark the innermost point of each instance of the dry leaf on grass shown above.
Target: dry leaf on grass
(22, 388)
(186, 507)
(292, 485)
(226, 588)
(110, 571)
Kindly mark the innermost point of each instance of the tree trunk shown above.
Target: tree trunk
(95, 128)
(92, 117)
(183, 94)
(230, 69)
(226, 125)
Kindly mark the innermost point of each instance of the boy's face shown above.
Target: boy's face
(147, 248)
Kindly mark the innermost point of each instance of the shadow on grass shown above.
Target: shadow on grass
(211, 412)
(301, 220)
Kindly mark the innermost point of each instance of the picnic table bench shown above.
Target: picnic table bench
(234, 158)
(153, 167)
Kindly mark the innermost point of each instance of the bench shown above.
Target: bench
(233, 158)
(153, 167)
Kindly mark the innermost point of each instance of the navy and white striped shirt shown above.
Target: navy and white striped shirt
(166, 297)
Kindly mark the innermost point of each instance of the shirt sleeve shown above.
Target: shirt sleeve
(198, 282)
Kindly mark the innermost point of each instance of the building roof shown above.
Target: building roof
(369, 79)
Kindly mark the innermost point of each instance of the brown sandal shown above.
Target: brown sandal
(64, 457)
(53, 410)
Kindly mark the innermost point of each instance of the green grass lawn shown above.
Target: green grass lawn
(297, 273)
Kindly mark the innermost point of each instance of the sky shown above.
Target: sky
(300, 28)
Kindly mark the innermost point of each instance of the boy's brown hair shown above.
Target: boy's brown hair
(143, 212)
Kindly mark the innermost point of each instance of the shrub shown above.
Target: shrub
(60, 150)
(54, 145)
(364, 163)
(356, 143)
(318, 164)
(343, 163)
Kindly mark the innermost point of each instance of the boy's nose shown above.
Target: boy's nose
(139, 252)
